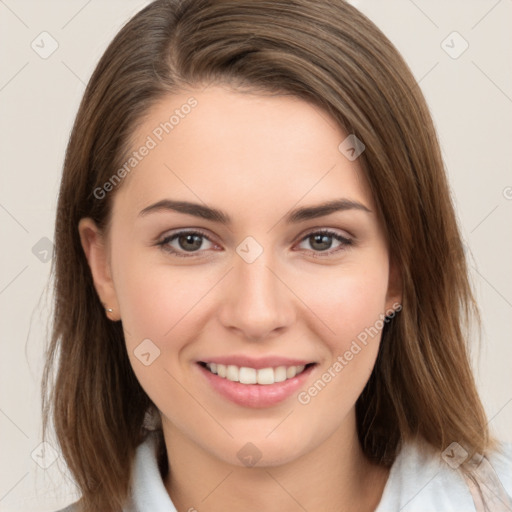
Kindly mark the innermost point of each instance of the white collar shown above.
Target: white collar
(420, 480)
(148, 490)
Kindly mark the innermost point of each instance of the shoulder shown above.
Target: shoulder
(492, 478)
(501, 461)
(147, 489)
(422, 478)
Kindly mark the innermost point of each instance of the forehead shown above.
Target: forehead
(244, 150)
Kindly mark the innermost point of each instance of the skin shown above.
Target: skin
(255, 157)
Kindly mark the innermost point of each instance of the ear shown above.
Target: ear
(394, 293)
(97, 254)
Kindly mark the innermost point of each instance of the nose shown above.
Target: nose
(256, 303)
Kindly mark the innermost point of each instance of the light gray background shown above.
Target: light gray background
(471, 101)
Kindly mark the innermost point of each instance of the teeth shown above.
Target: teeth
(232, 373)
(265, 376)
(246, 375)
(280, 374)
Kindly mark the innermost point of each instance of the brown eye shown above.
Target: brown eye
(322, 241)
(191, 242)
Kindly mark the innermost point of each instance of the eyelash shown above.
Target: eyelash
(344, 243)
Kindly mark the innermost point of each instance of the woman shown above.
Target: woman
(261, 294)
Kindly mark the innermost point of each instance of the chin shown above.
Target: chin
(263, 450)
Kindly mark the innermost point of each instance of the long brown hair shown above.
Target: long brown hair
(329, 54)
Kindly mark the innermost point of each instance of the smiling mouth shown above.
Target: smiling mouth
(247, 375)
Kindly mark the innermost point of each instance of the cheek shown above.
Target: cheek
(155, 300)
(344, 302)
(348, 311)
(159, 307)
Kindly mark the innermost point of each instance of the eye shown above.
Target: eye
(185, 242)
(323, 241)
(192, 243)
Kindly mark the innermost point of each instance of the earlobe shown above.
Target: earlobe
(96, 252)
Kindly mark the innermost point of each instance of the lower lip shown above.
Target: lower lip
(256, 395)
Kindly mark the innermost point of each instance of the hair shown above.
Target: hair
(324, 52)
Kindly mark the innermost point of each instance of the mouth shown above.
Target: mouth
(248, 375)
(261, 387)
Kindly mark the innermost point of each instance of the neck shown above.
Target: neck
(334, 476)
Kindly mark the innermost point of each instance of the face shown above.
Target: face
(222, 256)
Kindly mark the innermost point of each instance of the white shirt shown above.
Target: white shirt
(419, 481)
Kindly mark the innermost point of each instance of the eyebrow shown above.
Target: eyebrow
(216, 215)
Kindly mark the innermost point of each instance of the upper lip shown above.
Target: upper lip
(256, 363)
